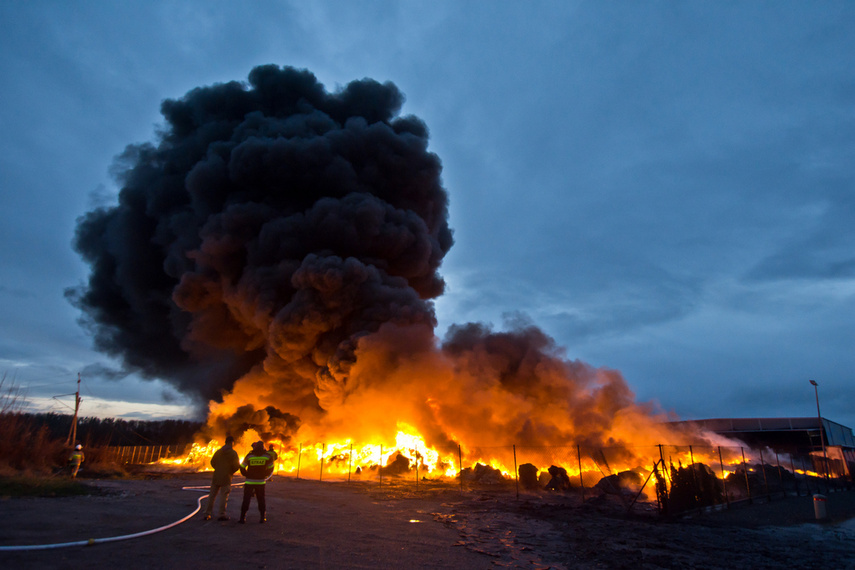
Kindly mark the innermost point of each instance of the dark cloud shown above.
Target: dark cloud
(824, 250)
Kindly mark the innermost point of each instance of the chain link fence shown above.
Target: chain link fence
(674, 478)
(143, 454)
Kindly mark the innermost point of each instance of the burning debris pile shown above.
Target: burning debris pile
(275, 255)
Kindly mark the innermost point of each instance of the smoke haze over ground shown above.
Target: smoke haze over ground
(277, 252)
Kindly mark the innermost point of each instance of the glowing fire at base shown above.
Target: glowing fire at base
(732, 468)
(339, 459)
(409, 455)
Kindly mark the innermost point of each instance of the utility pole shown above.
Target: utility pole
(821, 431)
(72, 435)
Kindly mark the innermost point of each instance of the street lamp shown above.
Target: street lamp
(821, 431)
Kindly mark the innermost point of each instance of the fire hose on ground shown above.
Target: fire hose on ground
(93, 541)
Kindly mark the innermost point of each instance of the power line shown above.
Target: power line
(28, 386)
(61, 403)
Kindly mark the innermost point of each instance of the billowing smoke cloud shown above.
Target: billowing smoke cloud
(277, 251)
(274, 224)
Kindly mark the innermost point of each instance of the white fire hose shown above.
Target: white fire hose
(93, 541)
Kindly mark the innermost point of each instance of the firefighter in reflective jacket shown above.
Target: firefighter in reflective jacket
(257, 466)
(75, 459)
(271, 451)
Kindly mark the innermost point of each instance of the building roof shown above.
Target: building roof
(835, 433)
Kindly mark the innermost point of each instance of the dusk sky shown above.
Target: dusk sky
(666, 188)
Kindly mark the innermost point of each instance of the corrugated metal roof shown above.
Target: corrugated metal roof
(835, 433)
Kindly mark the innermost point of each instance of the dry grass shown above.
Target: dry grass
(29, 451)
(23, 447)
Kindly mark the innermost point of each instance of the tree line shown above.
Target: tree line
(101, 432)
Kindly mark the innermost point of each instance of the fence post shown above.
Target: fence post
(723, 477)
(350, 463)
(805, 468)
(665, 478)
(765, 480)
(795, 477)
(695, 479)
(655, 474)
(780, 477)
(323, 450)
(460, 460)
(516, 477)
(299, 457)
(745, 470)
(581, 480)
(380, 464)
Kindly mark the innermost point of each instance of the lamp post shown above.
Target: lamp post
(821, 430)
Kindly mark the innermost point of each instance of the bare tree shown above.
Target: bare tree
(12, 397)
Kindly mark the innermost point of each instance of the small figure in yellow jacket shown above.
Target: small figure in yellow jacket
(271, 451)
(257, 466)
(75, 459)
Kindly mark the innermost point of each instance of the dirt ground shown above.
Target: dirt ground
(316, 524)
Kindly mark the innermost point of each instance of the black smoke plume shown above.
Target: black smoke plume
(276, 253)
(272, 224)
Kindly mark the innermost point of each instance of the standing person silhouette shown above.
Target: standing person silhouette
(257, 466)
(225, 463)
